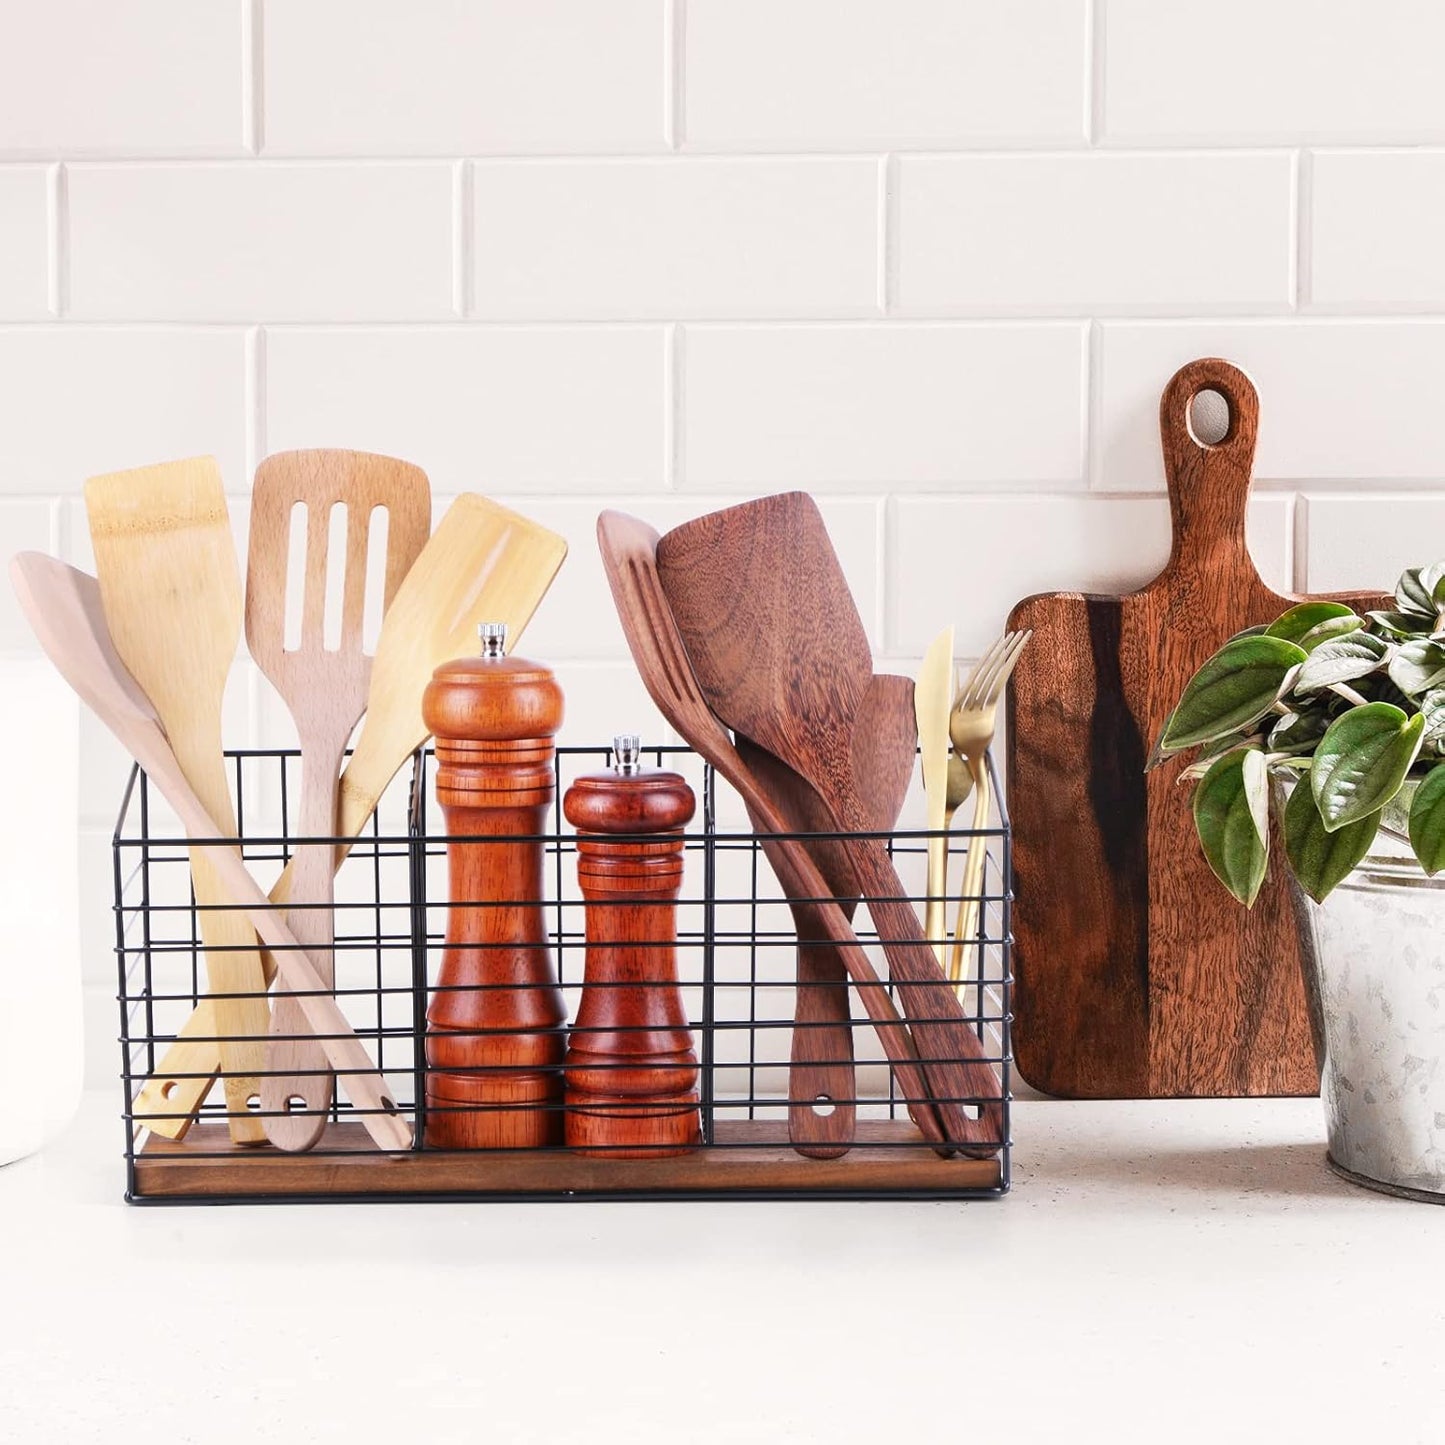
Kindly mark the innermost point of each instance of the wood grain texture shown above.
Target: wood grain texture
(63, 607)
(753, 1157)
(778, 649)
(166, 563)
(325, 688)
(1137, 975)
(631, 1069)
(822, 1072)
(494, 1042)
(483, 562)
(629, 548)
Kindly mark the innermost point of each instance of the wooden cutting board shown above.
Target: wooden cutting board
(1137, 974)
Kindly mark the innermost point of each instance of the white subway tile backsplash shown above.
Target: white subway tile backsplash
(882, 407)
(84, 399)
(24, 243)
(967, 560)
(696, 237)
(1094, 233)
(867, 74)
(1368, 540)
(1377, 234)
(261, 242)
(160, 78)
(369, 77)
(1339, 400)
(490, 409)
(1289, 70)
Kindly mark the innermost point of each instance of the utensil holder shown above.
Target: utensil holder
(736, 954)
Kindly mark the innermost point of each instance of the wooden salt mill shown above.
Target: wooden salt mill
(630, 1066)
(494, 1028)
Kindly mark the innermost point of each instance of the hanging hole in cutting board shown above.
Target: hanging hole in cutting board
(823, 1106)
(1209, 417)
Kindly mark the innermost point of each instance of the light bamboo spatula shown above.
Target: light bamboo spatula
(324, 683)
(64, 608)
(166, 563)
(483, 562)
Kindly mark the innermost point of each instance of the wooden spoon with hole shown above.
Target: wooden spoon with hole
(64, 608)
(483, 562)
(166, 561)
(822, 1080)
(779, 651)
(325, 688)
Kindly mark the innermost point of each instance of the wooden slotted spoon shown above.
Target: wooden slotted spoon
(822, 1080)
(166, 561)
(64, 608)
(482, 562)
(629, 558)
(779, 652)
(325, 688)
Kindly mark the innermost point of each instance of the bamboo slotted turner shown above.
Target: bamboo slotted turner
(325, 687)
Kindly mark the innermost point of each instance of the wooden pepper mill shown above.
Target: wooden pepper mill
(494, 1028)
(630, 1066)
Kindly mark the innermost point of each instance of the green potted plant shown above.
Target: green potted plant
(1334, 723)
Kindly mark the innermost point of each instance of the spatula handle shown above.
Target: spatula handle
(1209, 482)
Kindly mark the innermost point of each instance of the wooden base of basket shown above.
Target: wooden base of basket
(751, 1157)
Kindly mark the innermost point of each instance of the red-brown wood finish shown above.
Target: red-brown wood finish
(494, 1026)
(631, 1071)
(1137, 975)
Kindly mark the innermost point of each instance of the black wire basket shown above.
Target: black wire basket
(737, 969)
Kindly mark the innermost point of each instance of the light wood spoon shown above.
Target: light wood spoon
(483, 562)
(64, 608)
(166, 561)
(325, 688)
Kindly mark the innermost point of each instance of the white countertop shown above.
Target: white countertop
(1162, 1272)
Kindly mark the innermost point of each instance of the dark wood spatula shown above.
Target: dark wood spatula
(779, 651)
(822, 1081)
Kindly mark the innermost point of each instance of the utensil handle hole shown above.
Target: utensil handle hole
(1210, 417)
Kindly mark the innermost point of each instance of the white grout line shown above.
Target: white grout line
(674, 66)
(1299, 539)
(253, 73)
(462, 227)
(1094, 73)
(674, 350)
(889, 218)
(255, 399)
(57, 235)
(1303, 204)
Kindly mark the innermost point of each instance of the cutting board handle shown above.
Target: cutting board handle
(1209, 483)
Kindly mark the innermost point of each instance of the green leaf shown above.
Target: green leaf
(1298, 732)
(1413, 595)
(1257, 630)
(1307, 618)
(1402, 624)
(1432, 708)
(1321, 859)
(1236, 687)
(1331, 628)
(1427, 821)
(1342, 660)
(1231, 815)
(1417, 666)
(1362, 760)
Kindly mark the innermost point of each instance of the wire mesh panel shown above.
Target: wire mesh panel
(736, 976)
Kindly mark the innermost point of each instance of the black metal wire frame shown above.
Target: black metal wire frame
(736, 952)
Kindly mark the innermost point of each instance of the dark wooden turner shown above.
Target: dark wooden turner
(780, 654)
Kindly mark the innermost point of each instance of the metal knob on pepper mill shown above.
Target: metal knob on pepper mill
(494, 1026)
(630, 1067)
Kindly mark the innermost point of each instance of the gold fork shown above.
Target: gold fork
(971, 728)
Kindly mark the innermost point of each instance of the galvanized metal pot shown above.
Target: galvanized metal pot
(1379, 995)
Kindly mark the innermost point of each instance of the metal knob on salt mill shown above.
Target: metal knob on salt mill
(494, 1041)
(630, 1067)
